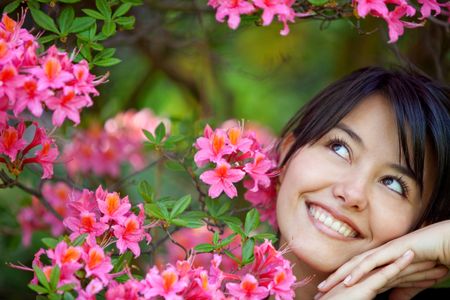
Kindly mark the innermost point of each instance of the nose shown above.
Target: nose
(352, 191)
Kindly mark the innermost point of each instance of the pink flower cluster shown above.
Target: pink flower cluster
(103, 150)
(29, 80)
(269, 274)
(283, 9)
(106, 217)
(233, 9)
(235, 153)
(37, 217)
(16, 150)
(89, 258)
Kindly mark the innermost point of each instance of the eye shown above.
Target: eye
(396, 184)
(340, 148)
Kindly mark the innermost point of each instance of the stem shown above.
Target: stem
(178, 244)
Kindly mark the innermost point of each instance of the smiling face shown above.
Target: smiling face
(348, 192)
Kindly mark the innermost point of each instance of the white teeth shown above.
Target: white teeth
(328, 220)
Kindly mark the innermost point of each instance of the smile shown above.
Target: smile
(326, 219)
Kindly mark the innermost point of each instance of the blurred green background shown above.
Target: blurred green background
(182, 64)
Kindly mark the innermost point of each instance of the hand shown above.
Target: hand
(371, 284)
(431, 246)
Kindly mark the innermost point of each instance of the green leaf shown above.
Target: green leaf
(38, 289)
(204, 248)
(68, 296)
(235, 224)
(224, 207)
(215, 238)
(160, 132)
(81, 24)
(54, 297)
(80, 240)
(69, 1)
(188, 222)
(107, 62)
(251, 221)
(226, 241)
(174, 165)
(146, 191)
(65, 19)
(50, 242)
(126, 22)
(263, 236)
(43, 20)
(41, 277)
(121, 10)
(180, 206)
(93, 13)
(149, 135)
(66, 287)
(123, 260)
(109, 28)
(106, 53)
(134, 2)
(212, 206)
(155, 210)
(11, 7)
(247, 251)
(318, 2)
(54, 277)
(232, 256)
(104, 8)
(34, 5)
(48, 38)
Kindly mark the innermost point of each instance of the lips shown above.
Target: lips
(333, 220)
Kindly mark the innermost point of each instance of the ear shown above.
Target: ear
(285, 145)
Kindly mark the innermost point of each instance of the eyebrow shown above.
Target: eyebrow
(351, 133)
(404, 170)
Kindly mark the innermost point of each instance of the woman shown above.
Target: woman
(366, 162)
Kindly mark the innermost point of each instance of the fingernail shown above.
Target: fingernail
(322, 284)
(317, 296)
(408, 253)
(347, 279)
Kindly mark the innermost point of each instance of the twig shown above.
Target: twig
(178, 244)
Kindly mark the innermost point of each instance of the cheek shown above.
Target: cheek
(389, 221)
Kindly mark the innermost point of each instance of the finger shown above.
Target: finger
(417, 267)
(342, 272)
(431, 274)
(373, 261)
(379, 279)
(404, 293)
(318, 296)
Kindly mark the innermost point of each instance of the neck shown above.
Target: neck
(304, 272)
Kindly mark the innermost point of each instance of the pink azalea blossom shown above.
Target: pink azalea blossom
(258, 170)
(233, 9)
(113, 208)
(9, 81)
(167, 284)
(281, 8)
(428, 6)
(237, 141)
(211, 148)
(97, 264)
(92, 289)
(375, 7)
(221, 179)
(28, 96)
(281, 285)
(395, 25)
(85, 223)
(128, 235)
(248, 289)
(66, 105)
(129, 290)
(12, 141)
(264, 200)
(64, 254)
(46, 157)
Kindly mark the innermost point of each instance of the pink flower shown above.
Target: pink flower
(212, 146)
(233, 9)
(221, 180)
(264, 200)
(46, 157)
(66, 105)
(113, 208)
(237, 141)
(97, 263)
(12, 141)
(167, 284)
(282, 283)
(28, 96)
(83, 82)
(248, 289)
(282, 8)
(375, 7)
(92, 289)
(64, 254)
(85, 223)
(258, 170)
(51, 74)
(396, 25)
(128, 235)
(9, 80)
(126, 291)
(428, 6)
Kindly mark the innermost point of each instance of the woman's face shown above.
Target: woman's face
(350, 191)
